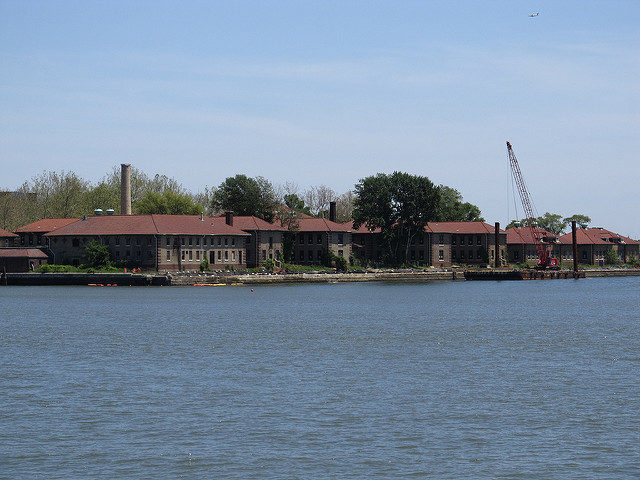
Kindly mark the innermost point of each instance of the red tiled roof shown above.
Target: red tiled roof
(310, 224)
(252, 223)
(45, 225)
(596, 236)
(524, 236)
(22, 253)
(4, 233)
(362, 229)
(461, 227)
(148, 225)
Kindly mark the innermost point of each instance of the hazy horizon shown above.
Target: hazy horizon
(330, 93)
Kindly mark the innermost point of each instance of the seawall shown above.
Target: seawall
(101, 279)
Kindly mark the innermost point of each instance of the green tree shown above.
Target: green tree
(400, 205)
(453, 209)
(581, 220)
(611, 257)
(243, 195)
(552, 223)
(295, 203)
(167, 202)
(97, 255)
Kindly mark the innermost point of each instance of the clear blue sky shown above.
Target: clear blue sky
(329, 92)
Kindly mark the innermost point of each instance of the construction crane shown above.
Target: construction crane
(545, 260)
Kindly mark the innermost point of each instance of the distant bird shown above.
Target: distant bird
(534, 14)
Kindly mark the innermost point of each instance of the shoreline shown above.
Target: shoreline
(227, 278)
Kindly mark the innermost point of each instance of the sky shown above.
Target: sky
(328, 92)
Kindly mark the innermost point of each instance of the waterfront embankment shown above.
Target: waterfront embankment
(229, 278)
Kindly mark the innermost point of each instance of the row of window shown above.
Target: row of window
(317, 256)
(215, 256)
(460, 239)
(318, 238)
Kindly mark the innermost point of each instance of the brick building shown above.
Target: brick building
(265, 240)
(153, 242)
(17, 260)
(464, 242)
(593, 244)
(521, 245)
(7, 239)
(315, 238)
(32, 234)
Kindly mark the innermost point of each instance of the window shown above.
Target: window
(492, 255)
(226, 241)
(478, 239)
(470, 254)
(301, 238)
(226, 255)
(182, 241)
(197, 254)
(310, 238)
(190, 241)
(247, 240)
(117, 241)
(219, 255)
(462, 256)
(453, 240)
(441, 255)
(441, 239)
(212, 257)
(106, 240)
(340, 253)
(168, 241)
(310, 254)
(413, 254)
(421, 239)
(149, 254)
(137, 240)
(75, 242)
(197, 241)
(127, 241)
(319, 239)
(277, 254)
(319, 255)
(219, 241)
(301, 255)
(233, 256)
(264, 254)
(128, 253)
(233, 242)
(453, 254)
(270, 242)
(421, 254)
(240, 257)
(168, 255)
(341, 239)
(117, 254)
(190, 255)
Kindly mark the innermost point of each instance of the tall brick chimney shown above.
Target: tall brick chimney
(125, 189)
(228, 218)
(332, 211)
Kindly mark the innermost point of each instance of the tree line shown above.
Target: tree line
(553, 222)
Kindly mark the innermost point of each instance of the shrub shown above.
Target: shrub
(633, 261)
(341, 263)
(97, 255)
(269, 264)
(204, 265)
(611, 257)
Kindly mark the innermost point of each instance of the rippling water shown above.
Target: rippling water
(451, 380)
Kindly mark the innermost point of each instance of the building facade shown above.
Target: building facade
(316, 239)
(521, 245)
(8, 239)
(594, 243)
(153, 242)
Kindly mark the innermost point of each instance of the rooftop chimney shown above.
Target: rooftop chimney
(125, 189)
(228, 218)
(332, 211)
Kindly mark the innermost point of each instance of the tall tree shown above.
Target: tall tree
(318, 198)
(581, 220)
(552, 223)
(246, 196)
(453, 209)
(400, 205)
(167, 202)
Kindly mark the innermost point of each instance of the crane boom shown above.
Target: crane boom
(543, 255)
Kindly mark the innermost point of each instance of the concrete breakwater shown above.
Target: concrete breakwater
(228, 278)
(99, 279)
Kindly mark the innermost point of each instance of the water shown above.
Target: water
(446, 380)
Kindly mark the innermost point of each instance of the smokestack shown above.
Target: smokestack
(228, 218)
(332, 211)
(125, 189)
(496, 245)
